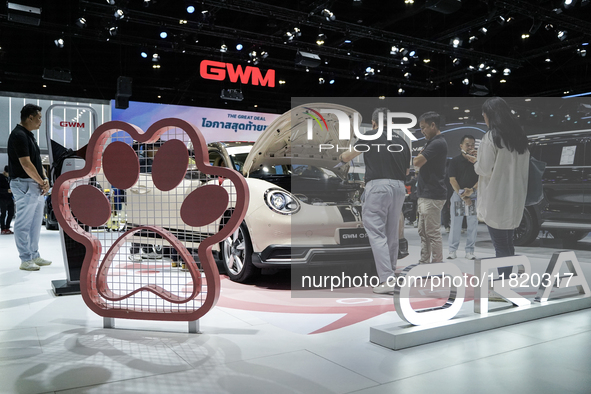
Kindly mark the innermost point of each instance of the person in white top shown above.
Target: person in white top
(502, 165)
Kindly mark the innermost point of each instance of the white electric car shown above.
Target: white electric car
(302, 210)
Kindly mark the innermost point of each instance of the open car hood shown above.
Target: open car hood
(285, 141)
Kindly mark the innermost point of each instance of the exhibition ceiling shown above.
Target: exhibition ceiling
(369, 48)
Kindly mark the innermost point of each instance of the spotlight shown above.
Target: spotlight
(456, 61)
(426, 60)
(507, 71)
(412, 53)
(483, 30)
(144, 55)
(113, 31)
(119, 14)
(112, 2)
(407, 75)
(81, 22)
(223, 48)
(155, 57)
(400, 91)
(163, 34)
(569, 4)
(320, 81)
(501, 20)
(59, 42)
(472, 39)
(281, 82)
(549, 26)
(328, 15)
(320, 39)
(252, 54)
(582, 52)
(331, 81)
(264, 54)
(548, 60)
(466, 81)
(394, 50)
(239, 47)
(524, 36)
(147, 3)
(481, 66)
(369, 71)
(561, 35)
(456, 42)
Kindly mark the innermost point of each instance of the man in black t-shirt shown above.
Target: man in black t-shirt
(28, 184)
(464, 182)
(387, 164)
(431, 189)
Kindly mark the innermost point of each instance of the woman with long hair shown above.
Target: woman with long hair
(503, 167)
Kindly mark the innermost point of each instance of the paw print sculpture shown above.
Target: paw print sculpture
(208, 209)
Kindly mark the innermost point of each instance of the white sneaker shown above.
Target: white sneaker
(383, 288)
(452, 255)
(470, 256)
(41, 262)
(29, 266)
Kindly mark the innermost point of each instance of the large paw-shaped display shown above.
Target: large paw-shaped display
(80, 206)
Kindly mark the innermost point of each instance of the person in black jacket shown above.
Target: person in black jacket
(6, 202)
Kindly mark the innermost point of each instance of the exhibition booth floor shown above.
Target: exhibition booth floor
(258, 339)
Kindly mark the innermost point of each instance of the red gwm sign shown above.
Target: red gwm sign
(217, 71)
(71, 124)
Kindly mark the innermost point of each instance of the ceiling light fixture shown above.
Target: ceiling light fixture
(320, 39)
(456, 42)
(81, 22)
(119, 14)
(59, 42)
(562, 35)
(328, 15)
(507, 71)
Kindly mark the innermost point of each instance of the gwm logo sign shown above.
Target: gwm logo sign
(217, 71)
(71, 124)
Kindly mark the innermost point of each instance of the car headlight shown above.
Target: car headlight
(281, 201)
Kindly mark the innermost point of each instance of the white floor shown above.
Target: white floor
(52, 344)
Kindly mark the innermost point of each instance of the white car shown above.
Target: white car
(302, 210)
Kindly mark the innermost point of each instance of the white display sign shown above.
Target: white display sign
(568, 155)
(438, 274)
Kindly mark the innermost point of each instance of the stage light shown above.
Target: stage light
(483, 30)
(239, 47)
(81, 22)
(321, 39)
(328, 15)
(144, 55)
(190, 9)
(119, 14)
(163, 34)
(401, 91)
(331, 81)
(113, 31)
(456, 42)
(407, 75)
(507, 71)
(524, 36)
(223, 48)
(562, 35)
(320, 81)
(466, 81)
(59, 42)
(147, 3)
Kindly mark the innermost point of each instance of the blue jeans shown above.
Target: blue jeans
(382, 207)
(29, 210)
(503, 243)
(456, 227)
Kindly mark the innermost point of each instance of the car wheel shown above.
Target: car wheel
(569, 237)
(528, 229)
(236, 254)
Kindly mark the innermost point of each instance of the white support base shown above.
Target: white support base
(108, 322)
(194, 327)
(398, 337)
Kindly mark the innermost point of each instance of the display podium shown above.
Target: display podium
(68, 130)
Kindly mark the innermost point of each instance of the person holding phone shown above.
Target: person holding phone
(464, 182)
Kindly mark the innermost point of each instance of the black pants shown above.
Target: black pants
(6, 213)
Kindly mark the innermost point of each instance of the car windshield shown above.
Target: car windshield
(238, 160)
